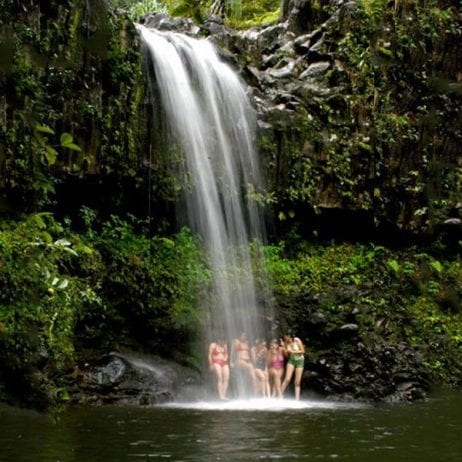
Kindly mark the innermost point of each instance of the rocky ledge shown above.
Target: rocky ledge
(311, 125)
(117, 378)
(380, 372)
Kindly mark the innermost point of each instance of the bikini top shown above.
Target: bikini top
(261, 353)
(277, 360)
(239, 346)
(296, 350)
(218, 350)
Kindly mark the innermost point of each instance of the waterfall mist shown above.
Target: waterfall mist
(210, 121)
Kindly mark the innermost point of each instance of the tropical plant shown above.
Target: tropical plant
(137, 8)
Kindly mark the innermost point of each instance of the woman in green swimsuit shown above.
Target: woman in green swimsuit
(295, 353)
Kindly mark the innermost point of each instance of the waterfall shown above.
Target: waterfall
(212, 123)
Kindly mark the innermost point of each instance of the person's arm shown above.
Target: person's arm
(268, 358)
(301, 346)
(226, 358)
(289, 350)
(253, 356)
(283, 347)
(212, 345)
(233, 354)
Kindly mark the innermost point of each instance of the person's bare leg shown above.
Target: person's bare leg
(298, 382)
(225, 383)
(261, 380)
(218, 372)
(267, 385)
(271, 376)
(252, 375)
(248, 368)
(278, 383)
(289, 372)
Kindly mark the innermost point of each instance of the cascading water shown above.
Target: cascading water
(210, 119)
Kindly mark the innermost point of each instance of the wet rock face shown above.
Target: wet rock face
(81, 59)
(163, 22)
(298, 91)
(380, 371)
(294, 81)
(124, 379)
(348, 357)
(305, 95)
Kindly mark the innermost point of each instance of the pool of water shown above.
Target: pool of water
(255, 430)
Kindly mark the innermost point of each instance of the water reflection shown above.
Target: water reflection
(428, 432)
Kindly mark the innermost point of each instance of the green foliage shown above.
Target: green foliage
(195, 9)
(394, 55)
(239, 14)
(386, 137)
(137, 8)
(112, 285)
(404, 294)
(244, 14)
(48, 151)
(57, 122)
(234, 9)
(40, 292)
(313, 268)
(152, 286)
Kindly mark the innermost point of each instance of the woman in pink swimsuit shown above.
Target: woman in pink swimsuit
(275, 360)
(219, 365)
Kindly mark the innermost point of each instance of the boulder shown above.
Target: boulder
(133, 379)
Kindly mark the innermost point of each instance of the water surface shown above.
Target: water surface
(240, 431)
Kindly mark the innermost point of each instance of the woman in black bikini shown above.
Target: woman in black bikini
(259, 355)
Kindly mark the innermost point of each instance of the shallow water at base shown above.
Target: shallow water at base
(256, 430)
(262, 404)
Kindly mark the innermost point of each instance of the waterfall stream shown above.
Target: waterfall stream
(211, 122)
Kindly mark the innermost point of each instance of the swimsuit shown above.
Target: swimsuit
(242, 348)
(297, 360)
(260, 363)
(220, 362)
(277, 362)
(219, 350)
(245, 347)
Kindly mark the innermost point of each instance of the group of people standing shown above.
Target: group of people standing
(269, 369)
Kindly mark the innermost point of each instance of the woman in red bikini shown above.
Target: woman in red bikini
(218, 364)
(276, 361)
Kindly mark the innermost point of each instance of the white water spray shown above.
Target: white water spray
(212, 123)
(265, 404)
